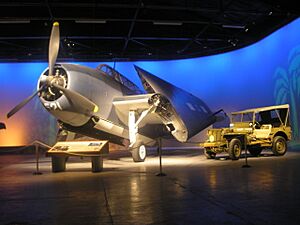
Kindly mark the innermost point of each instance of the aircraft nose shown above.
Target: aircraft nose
(51, 93)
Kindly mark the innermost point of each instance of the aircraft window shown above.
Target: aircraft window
(197, 108)
(191, 106)
(119, 77)
(203, 109)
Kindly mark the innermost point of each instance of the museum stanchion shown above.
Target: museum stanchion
(160, 174)
(37, 157)
(37, 144)
(246, 165)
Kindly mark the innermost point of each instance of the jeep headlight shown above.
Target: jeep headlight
(211, 138)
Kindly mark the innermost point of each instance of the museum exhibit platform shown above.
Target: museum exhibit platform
(195, 190)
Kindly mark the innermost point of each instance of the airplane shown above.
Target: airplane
(102, 103)
(2, 126)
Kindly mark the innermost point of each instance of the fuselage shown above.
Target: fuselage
(99, 85)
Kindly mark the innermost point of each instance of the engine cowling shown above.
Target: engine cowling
(55, 100)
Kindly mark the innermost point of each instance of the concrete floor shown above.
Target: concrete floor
(195, 191)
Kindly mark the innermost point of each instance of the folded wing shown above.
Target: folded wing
(193, 113)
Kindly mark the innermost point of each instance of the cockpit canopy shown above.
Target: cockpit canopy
(119, 78)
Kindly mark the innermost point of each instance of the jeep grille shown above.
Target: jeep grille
(217, 133)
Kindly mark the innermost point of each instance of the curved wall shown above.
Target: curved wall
(265, 73)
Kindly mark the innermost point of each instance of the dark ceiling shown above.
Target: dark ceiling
(137, 29)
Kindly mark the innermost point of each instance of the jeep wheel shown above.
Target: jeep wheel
(209, 154)
(235, 149)
(279, 146)
(255, 151)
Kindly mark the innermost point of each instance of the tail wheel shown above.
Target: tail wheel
(279, 146)
(209, 154)
(139, 153)
(235, 149)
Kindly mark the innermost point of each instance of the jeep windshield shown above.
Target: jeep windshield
(242, 117)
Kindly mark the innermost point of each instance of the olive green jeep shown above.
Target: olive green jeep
(254, 130)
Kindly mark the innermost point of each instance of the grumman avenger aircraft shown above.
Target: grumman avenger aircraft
(103, 104)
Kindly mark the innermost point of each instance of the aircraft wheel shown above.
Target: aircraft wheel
(235, 149)
(139, 153)
(209, 154)
(279, 146)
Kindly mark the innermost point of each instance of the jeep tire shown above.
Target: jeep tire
(279, 147)
(209, 154)
(235, 149)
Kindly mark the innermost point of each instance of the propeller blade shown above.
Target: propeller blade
(23, 103)
(53, 47)
(83, 104)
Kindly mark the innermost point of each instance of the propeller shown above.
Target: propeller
(81, 104)
(24, 102)
(53, 51)
(53, 47)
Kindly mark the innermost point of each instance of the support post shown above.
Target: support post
(37, 157)
(97, 163)
(160, 174)
(246, 158)
(58, 164)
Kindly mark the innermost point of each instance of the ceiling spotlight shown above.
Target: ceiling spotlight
(12, 21)
(167, 23)
(233, 42)
(90, 21)
(233, 26)
(270, 13)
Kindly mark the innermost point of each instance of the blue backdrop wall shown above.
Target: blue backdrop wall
(265, 73)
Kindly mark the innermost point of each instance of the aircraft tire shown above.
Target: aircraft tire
(139, 153)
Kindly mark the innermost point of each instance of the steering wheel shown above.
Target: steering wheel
(256, 125)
